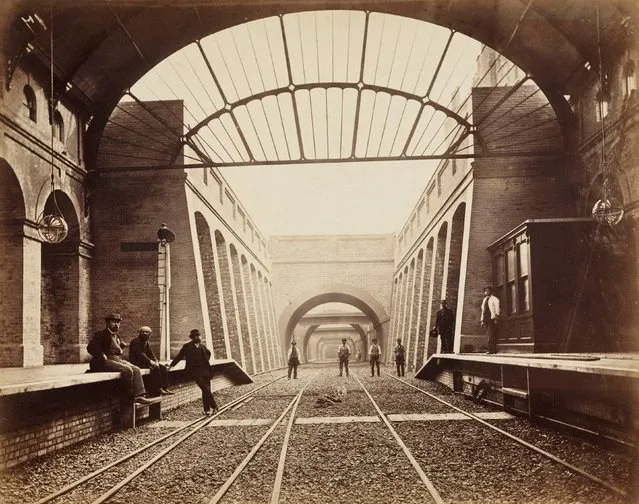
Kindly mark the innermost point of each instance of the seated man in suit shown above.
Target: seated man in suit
(197, 358)
(141, 354)
(106, 349)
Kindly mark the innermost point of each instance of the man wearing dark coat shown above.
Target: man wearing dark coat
(141, 355)
(445, 323)
(106, 349)
(197, 358)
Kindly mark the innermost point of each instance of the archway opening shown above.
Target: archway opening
(60, 296)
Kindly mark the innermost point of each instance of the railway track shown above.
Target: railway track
(191, 428)
(577, 470)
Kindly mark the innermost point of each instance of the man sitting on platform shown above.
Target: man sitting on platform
(141, 355)
(106, 348)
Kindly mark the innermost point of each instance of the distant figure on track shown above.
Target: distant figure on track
(374, 353)
(490, 318)
(197, 365)
(106, 349)
(141, 354)
(293, 360)
(445, 323)
(344, 353)
(359, 355)
(400, 357)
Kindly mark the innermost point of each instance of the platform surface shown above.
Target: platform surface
(611, 364)
(16, 380)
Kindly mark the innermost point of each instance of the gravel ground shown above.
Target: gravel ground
(607, 464)
(255, 484)
(345, 463)
(331, 463)
(470, 464)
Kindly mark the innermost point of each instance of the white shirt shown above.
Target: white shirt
(374, 350)
(493, 307)
(290, 352)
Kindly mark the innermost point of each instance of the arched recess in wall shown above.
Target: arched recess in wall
(455, 257)
(396, 309)
(410, 293)
(408, 280)
(413, 335)
(245, 341)
(12, 215)
(360, 299)
(207, 259)
(227, 296)
(438, 282)
(266, 336)
(257, 319)
(422, 335)
(60, 288)
(250, 317)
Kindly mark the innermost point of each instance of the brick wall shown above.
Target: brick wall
(422, 336)
(241, 310)
(438, 279)
(413, 336)
(210, 286)
(227, 292)
(36, 423)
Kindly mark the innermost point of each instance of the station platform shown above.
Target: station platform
(610, 364)
(593, 393)
(21, 380)
(46, 408)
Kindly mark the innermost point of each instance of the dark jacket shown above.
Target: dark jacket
(445, 321)
(99, 345)
(197, 359)
(140, 353)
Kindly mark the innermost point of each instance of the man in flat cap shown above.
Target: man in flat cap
(197, 358)
(106, 349)
(141, 355)
(343, 353)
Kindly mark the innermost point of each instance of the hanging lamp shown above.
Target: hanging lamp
(608, 210)
(52, 227)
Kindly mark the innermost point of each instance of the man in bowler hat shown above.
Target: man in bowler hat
(106, 349)
(197, 358)
(141, 355)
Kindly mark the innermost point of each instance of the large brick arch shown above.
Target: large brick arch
(12, 214)
(334, 293)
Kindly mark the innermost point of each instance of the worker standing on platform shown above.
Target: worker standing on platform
(197, 358)
(400, 357)
(106, 349)
(374, 353)
(141, 355)
(343, 354)
(490, 318)
(445, 324)
(293, 360)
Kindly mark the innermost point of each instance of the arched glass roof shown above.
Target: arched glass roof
(331, 86)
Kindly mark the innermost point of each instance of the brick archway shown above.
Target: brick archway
(358, 298)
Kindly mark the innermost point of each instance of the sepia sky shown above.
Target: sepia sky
(345, 198)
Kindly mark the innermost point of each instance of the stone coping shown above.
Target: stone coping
(32, 379)
(626, 365)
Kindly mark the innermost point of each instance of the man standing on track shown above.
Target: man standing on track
(343, 354)
(373, 354)
(197, 358)
(293, 360)
(400, 357)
